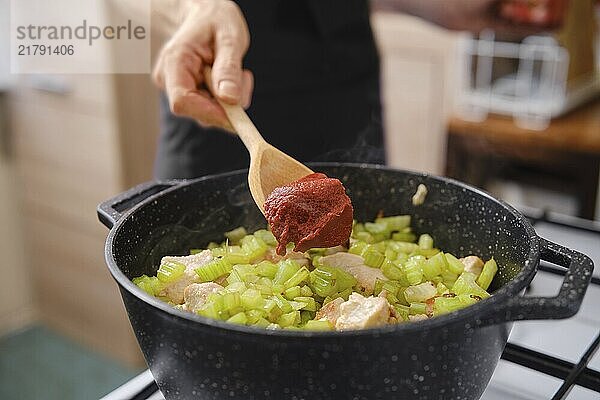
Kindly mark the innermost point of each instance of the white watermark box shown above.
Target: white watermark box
(79, 37)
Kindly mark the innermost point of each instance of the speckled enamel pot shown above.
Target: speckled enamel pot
(449, 357)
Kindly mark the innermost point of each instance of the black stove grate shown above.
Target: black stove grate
(572, 374)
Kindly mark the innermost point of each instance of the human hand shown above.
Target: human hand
(469, 15)
(213, 32)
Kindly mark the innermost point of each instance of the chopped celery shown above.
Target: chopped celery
(404, 237)
(285, 305)
(357, 227)
(365, 237)
(253, 246)
(434, 266)
(234, 258)
(297, 305)
(253, 316)
(300, 276)
(327, 281)
(287, 295)
(170, 271)
(420, 293)
(390, 253)
(316, 261)
(262, 323)
(267, 269)
(414, 271)
(442, 289)
(236, 235)
(417, 308)
(252, 299)
(403, 247)
(448, 278)
(272, 310)
(465, 284)
(266, 236)
(402, 311)
(357, 248)
(309, 303)
(443, 305)
(286, 269)
(149, 284)
(425, 242)
(487, 274)
(209, 310)
(292, 292)
(373, 258)
(231, 301)
(454, 264)
(428, 252)
(306, 316)
(391, 270)
(289, 319)
(305, 291)
(239, 318)
(395, 223)
(318, 325)
(213, 270)
(377, 228)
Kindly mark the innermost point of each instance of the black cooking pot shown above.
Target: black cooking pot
(448, 357)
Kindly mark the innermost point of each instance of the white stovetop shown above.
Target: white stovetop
(566, 339)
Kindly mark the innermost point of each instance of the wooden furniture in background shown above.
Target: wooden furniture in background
(565, 157)
(417, 74)
(79, 140)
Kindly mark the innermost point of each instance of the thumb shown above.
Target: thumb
(230, 48)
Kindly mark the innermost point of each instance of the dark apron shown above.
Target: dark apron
(316, 91)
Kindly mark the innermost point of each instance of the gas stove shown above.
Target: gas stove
(543, 359)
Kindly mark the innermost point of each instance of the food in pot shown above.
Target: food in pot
(312, 211)
(387, 275)
(419, 196)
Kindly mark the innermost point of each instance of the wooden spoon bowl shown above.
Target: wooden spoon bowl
(269, 166)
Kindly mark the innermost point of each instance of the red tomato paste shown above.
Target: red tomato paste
(313, 211)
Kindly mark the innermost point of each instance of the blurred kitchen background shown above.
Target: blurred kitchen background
(520, 119)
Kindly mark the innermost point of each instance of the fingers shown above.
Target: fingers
(231, 43)
(216, 35)
(181, 75)
(247, 88)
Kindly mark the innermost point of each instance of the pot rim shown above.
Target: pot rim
(471, 315)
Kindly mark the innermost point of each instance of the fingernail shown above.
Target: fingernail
(229, 89)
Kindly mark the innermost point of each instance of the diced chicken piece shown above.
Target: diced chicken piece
(300, 258)
(174, 290)
(363, 312)
(342, 260)
(333, 250)
(195, 294)
(473, 264)
(354, 265)
(418, 317)
(330, 311)
(419, 196)
(394, 316)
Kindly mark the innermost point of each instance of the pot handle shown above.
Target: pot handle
(110, 211)
(568, 300)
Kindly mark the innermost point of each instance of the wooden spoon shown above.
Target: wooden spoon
(269, 166)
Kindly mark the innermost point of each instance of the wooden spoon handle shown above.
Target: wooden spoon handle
(238, 118)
